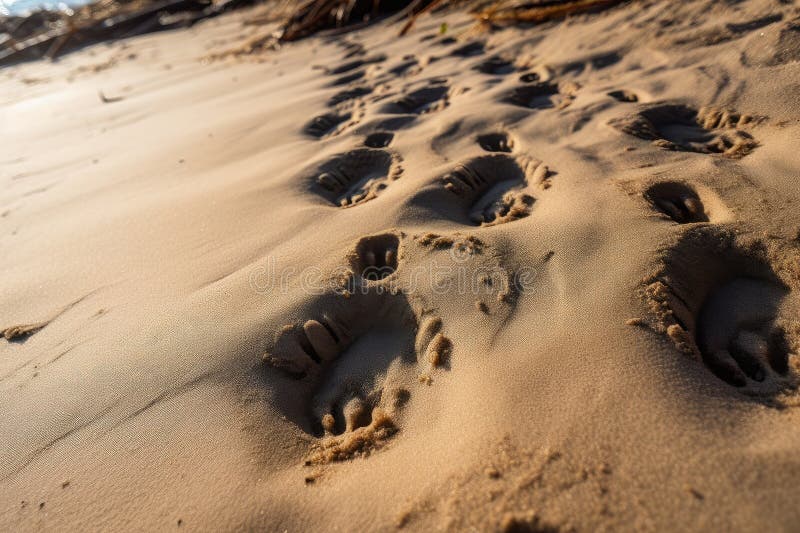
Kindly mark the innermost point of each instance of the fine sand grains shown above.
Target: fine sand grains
(539, 278)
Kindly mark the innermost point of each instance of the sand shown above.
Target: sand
(535, 279)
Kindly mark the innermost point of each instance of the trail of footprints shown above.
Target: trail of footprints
(364, 342)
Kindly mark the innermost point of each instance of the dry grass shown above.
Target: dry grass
(314, 16)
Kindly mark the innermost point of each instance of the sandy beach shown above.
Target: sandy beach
(534, 278)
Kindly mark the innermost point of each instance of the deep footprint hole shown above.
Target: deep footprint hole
(496, 142)
(728, 300)
(376, 257)
(736, 331)
(678, 201)
(379, 139)
(419, 101)
(538, 95)
(624, 96)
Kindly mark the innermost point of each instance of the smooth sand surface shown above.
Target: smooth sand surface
(533, 279)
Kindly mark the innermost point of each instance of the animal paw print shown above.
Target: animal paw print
(496, 142)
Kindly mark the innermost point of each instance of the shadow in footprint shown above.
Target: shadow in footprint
(496, 142)
(474, 48)
(623, 96)
(678, 201)
(542, 95)
(722, 302)
(326, 124)
(375, 257)
(495, 65)
(420, 101)
(355, 64)
(348, 78)
(596, 62)
(355, 177)
(736, 332)
(486, 190)
(379, 139)
(348, 94)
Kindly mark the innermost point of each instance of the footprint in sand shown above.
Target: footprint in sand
(679, 127)
(347, 95)
(471, 49)
(494, 188)
(543, 95)
(409, 65)
(737, 334)
(624, 96)
(347, 79)
(681, 202)
(359, 357)
(434, 97)
(495, 65)
(496, 142)
(352, 48)
(357, 176)
(720, 300)
(379, 139)
(350, 66)
(376, 257)
(678, 201)
(593, 63)
(329, 124)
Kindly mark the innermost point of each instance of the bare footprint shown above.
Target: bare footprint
(678, 201)
(379, 139)
(737, 335)
(376, 257)
(496, 142)
(623, 95)
(681, 128)
(349, 94)
(358, 176)
(421, 101)
(493, 188)
(357, 358)
(495, 65)
(717, 297)
(328, 124)
(543, 95)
